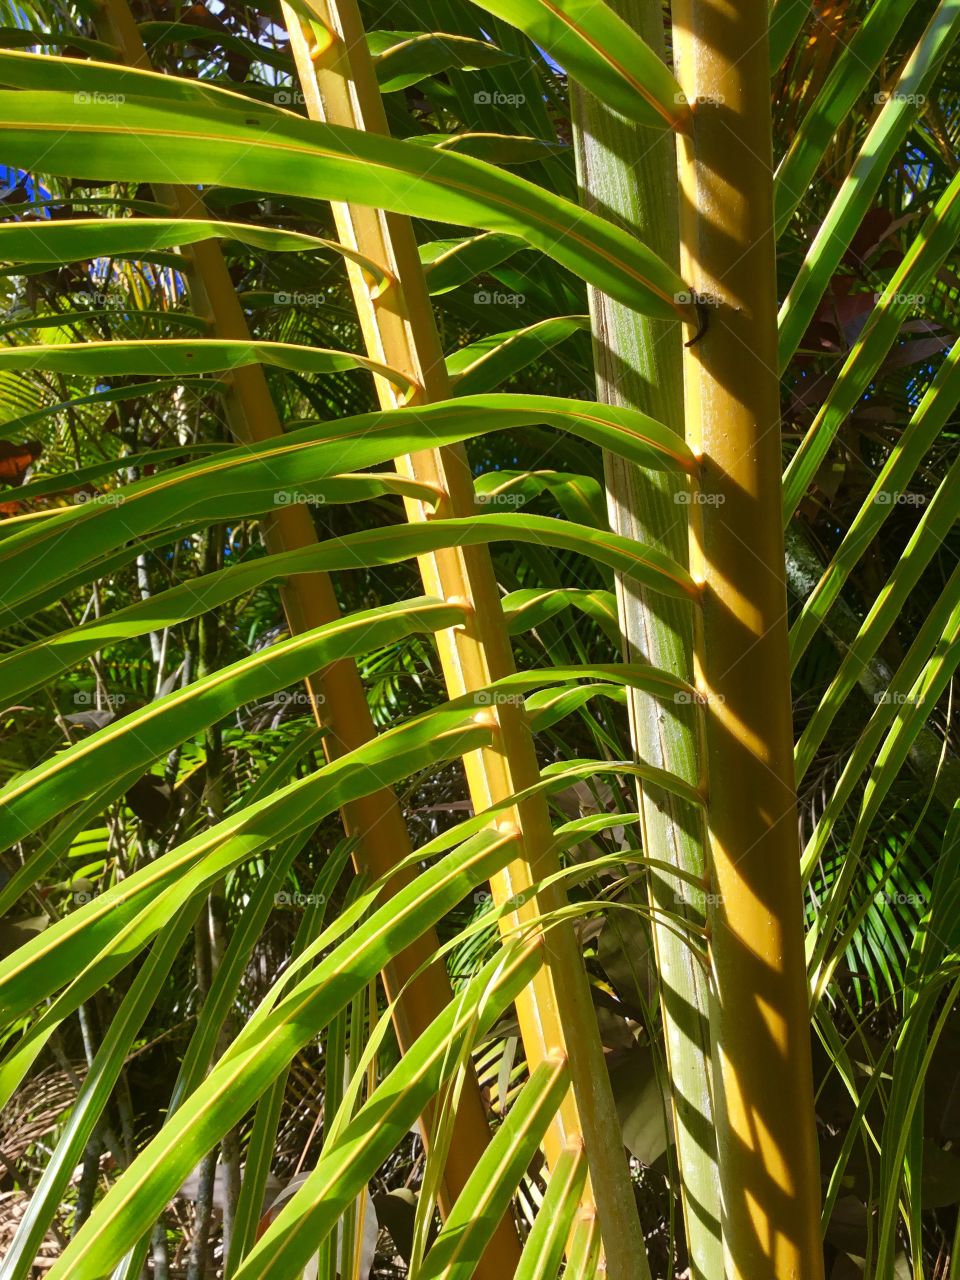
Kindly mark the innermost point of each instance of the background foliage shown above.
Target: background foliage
(869, 281)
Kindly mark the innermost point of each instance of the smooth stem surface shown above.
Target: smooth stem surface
(337, 694)
(770, 1188)
(556, 1012)
(627, 172)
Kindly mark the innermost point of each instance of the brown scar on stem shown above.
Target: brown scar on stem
(703, 322)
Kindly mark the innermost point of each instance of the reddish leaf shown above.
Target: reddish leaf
(17, 458)
(914, 352)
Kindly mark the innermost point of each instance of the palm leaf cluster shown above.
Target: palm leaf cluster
(346, 587)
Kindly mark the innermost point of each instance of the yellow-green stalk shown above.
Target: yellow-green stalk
(628, 172)
(556, 1012)
(770, 1189)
